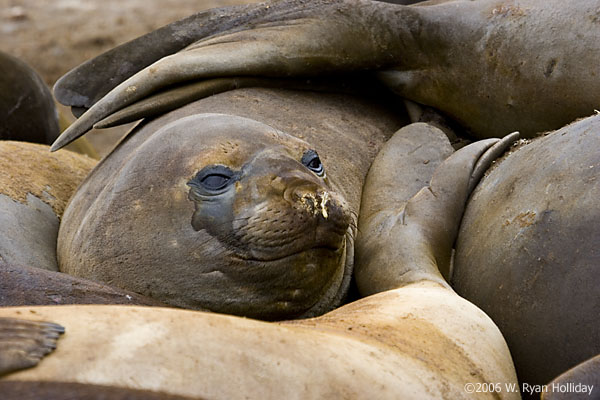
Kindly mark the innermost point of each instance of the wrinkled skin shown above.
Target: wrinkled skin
(276, 241)
(527, 250)
(495, 66)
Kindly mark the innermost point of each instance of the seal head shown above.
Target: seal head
(228, 224)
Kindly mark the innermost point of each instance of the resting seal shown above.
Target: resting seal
(241, 203)
(495, 66)
(417, 341)
(527, 251)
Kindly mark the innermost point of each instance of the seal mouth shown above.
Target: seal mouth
(263, 256)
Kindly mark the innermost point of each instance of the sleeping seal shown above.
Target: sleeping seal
(495, 66)
(415, 340)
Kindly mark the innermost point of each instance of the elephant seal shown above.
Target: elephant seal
(417, 341)
(479, 62)
(527, 251)
(27, 108)
(240, 203)
(35, 187)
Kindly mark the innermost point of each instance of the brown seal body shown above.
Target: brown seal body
(35, 186)
(224, 204)
(27, 108)
(527, 252)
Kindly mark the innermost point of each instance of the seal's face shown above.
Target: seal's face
(281, 228)
(270, 209)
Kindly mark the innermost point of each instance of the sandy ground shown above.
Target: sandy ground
(54, 36)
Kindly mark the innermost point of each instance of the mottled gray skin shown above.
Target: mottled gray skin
(277, 243)
(495, 66)
(503, 66)
(27, 108)
(527, 252)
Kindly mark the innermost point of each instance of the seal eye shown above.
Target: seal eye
(311, 160)
(212, 179)
(215, 181)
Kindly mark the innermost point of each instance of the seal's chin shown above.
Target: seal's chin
(302, 284)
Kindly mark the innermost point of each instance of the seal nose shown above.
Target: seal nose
(315, 202)
(320, 214)
(330, 215)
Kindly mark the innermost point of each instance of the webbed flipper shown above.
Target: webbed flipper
(85, 84)
(24, 343)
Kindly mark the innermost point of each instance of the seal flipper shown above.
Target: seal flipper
(260, 45)
(24, 343)
(420, 232)
(172, 98)
(85, 84)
